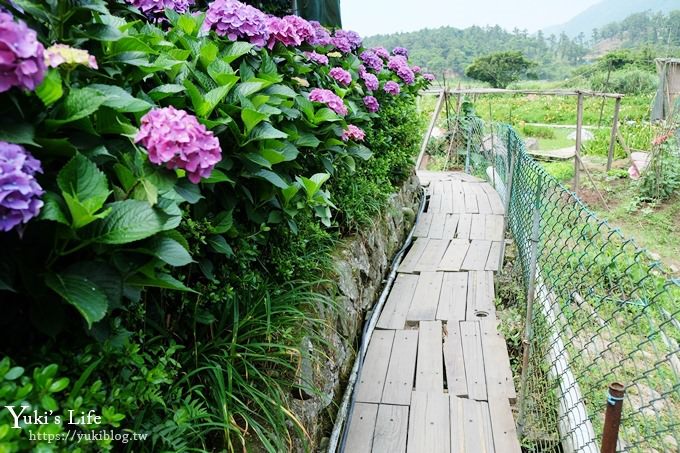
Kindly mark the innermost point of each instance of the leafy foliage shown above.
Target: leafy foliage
(499, 69)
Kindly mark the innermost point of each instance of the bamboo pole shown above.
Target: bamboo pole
(615, 129)
(579, 130)
(433, 123)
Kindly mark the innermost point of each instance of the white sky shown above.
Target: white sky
(371, 17)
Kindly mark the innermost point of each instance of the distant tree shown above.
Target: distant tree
(499, 69)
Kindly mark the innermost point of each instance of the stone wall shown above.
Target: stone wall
(362, 264)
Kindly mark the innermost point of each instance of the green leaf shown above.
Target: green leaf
(325, 115)
(146, 191)
(81, 215)
(218, 244)
(360, 151)
(163, 91)
(120, 100)
(19, 133)
(251, 118)
(246, 89)
(187, 24)
(170, 251)
(289, 192)
(80, 292)
(83, 181)
(215, 177)
(212, 98)
(14, 373)
(165, 281)
(236, 50)
(273, 178)
(265, 131)
(102, 32)
(58, 385)
(208, 52)
(130, 44)
(222, 222)
(50, 90)
(308, 140)
(281, 91)
(104, 275)
(129, 221)
(313, 184)
(78, 104)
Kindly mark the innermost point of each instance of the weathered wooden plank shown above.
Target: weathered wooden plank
(499, 381)
(482, 200)
(447, 198)
(372, 379)
(470, 426)
(398, 302)
(361, 427)
(429, 426)
(455, 255)
(453, 296)
(429, 367)
(450, 226)
(423, 227)
(435, 204)
(453, 360)
(481, 295)
(471, 206)
(478, 227)
(493, 228)
(391, 428)
(464, 225)
(503, 426)
(437, 226)
(497, 205)
(458, 197)
(474, 360)
(432, 255)
(399, 380)
(476, 257)
(413, 255)
(426, 298)
(493, 261)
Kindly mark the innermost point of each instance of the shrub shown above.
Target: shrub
(628, 81)
(538, 131)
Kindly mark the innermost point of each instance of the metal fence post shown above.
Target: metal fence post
(508, 196)
(528, 323)
(612, 418)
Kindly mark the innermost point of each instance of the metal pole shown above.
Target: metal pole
(294, 5)
(508, 196)
(467, 154)
(612, 418)
(528, 323)
(579, 129)
(615, 128)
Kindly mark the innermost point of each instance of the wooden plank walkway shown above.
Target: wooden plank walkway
(437, 375)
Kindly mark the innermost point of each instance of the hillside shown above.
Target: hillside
(609, 11)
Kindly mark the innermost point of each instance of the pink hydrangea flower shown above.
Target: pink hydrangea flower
(353, 133)
(429, 77)
(321, 35)
(370, 80)
(370, 59)
(22, 59)
(156, 8)
(400, 51)
(235, 20)
(59, 54)
(317, 58)
(291, 31)
(333, 101)
(381, 52)
(371, 104)
(341, 76)
(346, 41)
(416, 69)
(392, 88)
(399, 66)
(176, 139)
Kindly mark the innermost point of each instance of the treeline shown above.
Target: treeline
(643, 29)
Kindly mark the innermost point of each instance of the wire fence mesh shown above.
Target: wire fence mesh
(604, 311)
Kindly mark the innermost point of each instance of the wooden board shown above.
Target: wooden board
(372, 378)
(482, 200)
(453, 297)
(453, 360)
(499, 381)
(474, 360)
(426, 297)
(481, 295)
(478, 227)
(464, 224)
(494, 228)
(391, 428)
(429, 368)
(497, 206)
(447, 198)
(494, 259)
(437, 226)
(458, 197)
(435, 204)
(455, 255)
(398, 302)
(478, 253)
(361, 428)
(503, 426)
(450, 226)
(429, 426)
(399, 379)
(423, 226)
(471, 206)
(432, 255)
(413, 255)
(470, 426)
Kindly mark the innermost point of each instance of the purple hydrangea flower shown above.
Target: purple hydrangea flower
(321, 35)
(370, 80)
(381, 52)
(346, 40)
(176, 139)
(370, 59)
(317, 58)
(289, 30)
(429, 77)
(19, 191)
(156, 8)
(416, 69)
(333, 101)
(400, 51)
(392, 88)
(235, 20)
(371, 104)
(353, 133)
(341, 76)
(400, 66)
(22, 57)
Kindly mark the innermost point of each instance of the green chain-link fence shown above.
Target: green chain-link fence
(604, 311)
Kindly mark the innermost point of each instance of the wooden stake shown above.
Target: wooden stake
(615, 129)
(433, 123)
(579, 130)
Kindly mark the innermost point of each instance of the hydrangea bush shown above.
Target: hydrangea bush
(152, 148)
